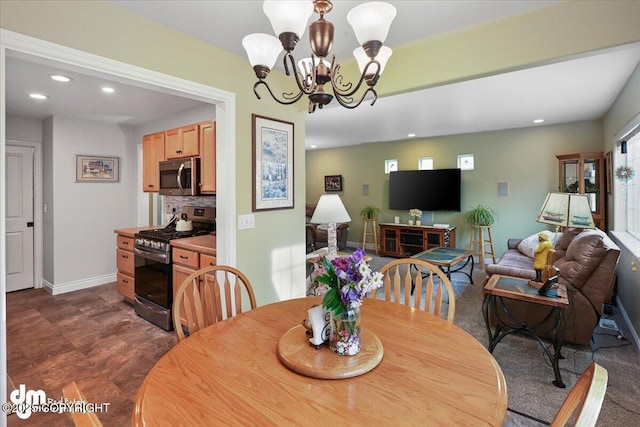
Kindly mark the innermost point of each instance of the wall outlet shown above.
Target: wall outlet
(246, 221)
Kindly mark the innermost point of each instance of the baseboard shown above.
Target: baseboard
(63, 288)
(634, 335)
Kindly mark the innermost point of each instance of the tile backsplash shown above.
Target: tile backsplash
(177, 202)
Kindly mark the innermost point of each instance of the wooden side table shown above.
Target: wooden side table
(500, 287)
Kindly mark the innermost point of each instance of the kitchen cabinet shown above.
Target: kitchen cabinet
(583, 173)
(405, 240)
(182, 142)
(153, 147)
(207, 157)
(186, 262)
(125, 262)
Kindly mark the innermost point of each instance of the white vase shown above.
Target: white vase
(418, 222)
(410, 222)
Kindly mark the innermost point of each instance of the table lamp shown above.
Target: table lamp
(566, 210)
(330, 211)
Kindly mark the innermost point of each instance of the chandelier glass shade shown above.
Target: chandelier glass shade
(370, 21)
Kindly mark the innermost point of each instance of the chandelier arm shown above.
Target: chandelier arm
(336, 79)
(351, 105)
(302, 85)
(290, 98)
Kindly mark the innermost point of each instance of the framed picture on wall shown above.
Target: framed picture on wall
(333, 183)
(272, 164)
(97, 169)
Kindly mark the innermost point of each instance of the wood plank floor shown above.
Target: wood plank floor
(89, 336)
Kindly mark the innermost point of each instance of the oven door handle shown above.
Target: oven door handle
(161, 258)
(180, 169)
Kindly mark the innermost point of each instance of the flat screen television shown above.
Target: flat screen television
(427, 190)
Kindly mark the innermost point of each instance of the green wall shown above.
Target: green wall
(525, 158)
(625, 109)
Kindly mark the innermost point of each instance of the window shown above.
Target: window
(632, 187)
(390, 165)
(465, 162)
(425, 163)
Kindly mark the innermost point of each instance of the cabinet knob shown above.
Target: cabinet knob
(150, 185)
(125, 256)
(125, 281)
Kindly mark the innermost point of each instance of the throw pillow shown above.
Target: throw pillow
(529, 245)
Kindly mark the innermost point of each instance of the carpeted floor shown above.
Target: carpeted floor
(528, 372)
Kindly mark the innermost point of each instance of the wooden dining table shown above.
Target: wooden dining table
(431, 373)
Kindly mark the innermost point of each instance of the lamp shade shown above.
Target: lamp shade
(371, 21)
(363, 59)
(262, 49)
(330, 210)
(566, 210)
(288, 16)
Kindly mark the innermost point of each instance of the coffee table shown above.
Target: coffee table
(446, 258)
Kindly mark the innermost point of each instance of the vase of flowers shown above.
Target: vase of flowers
(415, 214)
(345, 282)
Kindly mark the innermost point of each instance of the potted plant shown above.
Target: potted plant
(480, 216)
(370, 212)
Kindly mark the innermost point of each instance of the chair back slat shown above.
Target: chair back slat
(584, 401)
(429, 284)
(199, 299)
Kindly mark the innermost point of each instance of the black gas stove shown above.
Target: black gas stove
(153, 272)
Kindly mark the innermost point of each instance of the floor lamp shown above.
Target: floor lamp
(330, 211)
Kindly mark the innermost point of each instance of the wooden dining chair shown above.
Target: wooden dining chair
(585, 399)
(207, 296)
(403, 274)
(71, 392)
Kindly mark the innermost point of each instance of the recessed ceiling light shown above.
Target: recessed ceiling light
(313, 146)
(60, 78)
(38, 96)
(108, 89)
(411, 135)
(538, 121)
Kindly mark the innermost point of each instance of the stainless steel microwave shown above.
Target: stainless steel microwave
(180, 177)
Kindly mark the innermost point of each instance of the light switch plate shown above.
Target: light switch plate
(246, 221)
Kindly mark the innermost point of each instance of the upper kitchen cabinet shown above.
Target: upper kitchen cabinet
(583, 173)
(182, 142)
(152, 154)
(208, 157)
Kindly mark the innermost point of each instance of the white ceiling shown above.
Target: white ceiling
(576, 89)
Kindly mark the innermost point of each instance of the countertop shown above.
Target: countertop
(130, 232)
(204, 244)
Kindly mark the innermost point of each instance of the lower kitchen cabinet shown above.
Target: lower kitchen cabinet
(186, 262)
(125, 261)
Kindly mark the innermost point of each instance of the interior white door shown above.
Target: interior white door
(19, 218)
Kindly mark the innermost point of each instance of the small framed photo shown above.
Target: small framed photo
(333, 183)
(272, 164)
(97, 168)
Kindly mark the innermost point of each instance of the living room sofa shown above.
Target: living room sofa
(587, 261)
(317, 235)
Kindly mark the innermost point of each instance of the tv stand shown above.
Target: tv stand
(402, 241)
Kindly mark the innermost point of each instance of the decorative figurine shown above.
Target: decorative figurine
(540, 255)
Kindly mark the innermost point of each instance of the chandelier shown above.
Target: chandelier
(370, 22)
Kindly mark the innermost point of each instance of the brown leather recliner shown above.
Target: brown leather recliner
(587, 261)
(316, 234)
